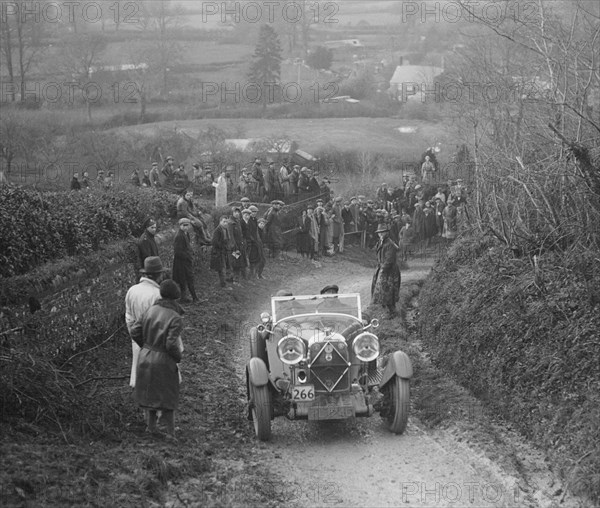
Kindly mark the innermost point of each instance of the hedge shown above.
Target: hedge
(39, 227)
(523, 336)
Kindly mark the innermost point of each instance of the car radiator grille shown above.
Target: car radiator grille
(328, 365)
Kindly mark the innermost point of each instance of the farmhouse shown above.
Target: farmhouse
(410, 82)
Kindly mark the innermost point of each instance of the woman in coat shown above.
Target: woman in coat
(385, 287)
(158, 333)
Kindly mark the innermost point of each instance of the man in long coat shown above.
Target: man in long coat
(256, 253)
(183, 270)
(385, 287)
(222, 246)
(273, 228)
(139, 299)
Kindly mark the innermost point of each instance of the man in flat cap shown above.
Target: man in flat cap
(183, 262)
(338, 224)
(273, 229)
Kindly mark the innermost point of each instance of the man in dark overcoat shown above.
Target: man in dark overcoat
(385, 287)
(183, 270)
(273, 228)
(222, 245)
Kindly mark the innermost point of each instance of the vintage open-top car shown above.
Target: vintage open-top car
(313, 357)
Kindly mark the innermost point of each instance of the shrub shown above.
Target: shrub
(524, 339)
(39, 227)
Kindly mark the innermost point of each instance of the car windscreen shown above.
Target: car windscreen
(313, 326)
(285, 306)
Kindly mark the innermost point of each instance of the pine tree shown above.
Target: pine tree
(266, 67)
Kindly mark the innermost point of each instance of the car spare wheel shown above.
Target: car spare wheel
(262, 408)
(258, 348)
(398, 391)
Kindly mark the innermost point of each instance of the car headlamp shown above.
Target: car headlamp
(291, 350)
(366, 347)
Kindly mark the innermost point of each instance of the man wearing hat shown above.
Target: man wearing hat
(258, 180)
(274, 234)
(244, 183)
(168, 171)
(304, 180)
(154, 175)
(284, 180)
(183, 262)
(222, 246)
(197, 176)
(245, 203)
(139, 299)
(256, 254)
(338, 224)
(385, 286)
(294, 176)
(370, 218)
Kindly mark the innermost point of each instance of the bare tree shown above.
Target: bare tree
(160, 20)
(81, 58)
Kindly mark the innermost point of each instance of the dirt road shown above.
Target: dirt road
(361, 464)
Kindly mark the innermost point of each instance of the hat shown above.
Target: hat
(246, 211)
(155, 163)
(304, 170)
(245, 200)
(169, 290)
(279, 202)
(370, 202)
(196, 165)
(418, 186)
(382, 228)
(353, 197)
(253, 208)
(310, 207)
(184, 220)
(262, 220)
(284, 292)
(275, 202)
(152, 264)
(296, 166)
(257, 161)
(361, 197)
(170, 158)
(331, 287)
(338, 199)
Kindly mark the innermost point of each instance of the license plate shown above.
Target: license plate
(330, 412)
(304, 393)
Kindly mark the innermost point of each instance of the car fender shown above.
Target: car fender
(258, 374)
(398, 364)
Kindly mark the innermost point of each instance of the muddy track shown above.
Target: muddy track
(360, 463)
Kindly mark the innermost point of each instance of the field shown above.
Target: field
(313, 135)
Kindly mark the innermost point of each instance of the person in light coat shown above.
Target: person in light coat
(139, 299)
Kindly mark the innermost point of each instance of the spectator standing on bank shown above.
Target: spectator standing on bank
(75, 185)
(237, 256)
(85, 180)
(158, 333)
(256, 253)
(385, 286)
(134, 178)
(273, 229)
(139, 299)
(154, 175)
(146, 245)
(222, 246)
(146, 179)
(183, 262)
(221, 190)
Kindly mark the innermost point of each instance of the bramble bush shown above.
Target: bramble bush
(39, 227)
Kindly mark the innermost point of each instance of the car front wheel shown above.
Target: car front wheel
(262, 408)
(398, 404)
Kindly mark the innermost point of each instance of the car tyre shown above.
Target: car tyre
(399, 403)
(262, 410)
